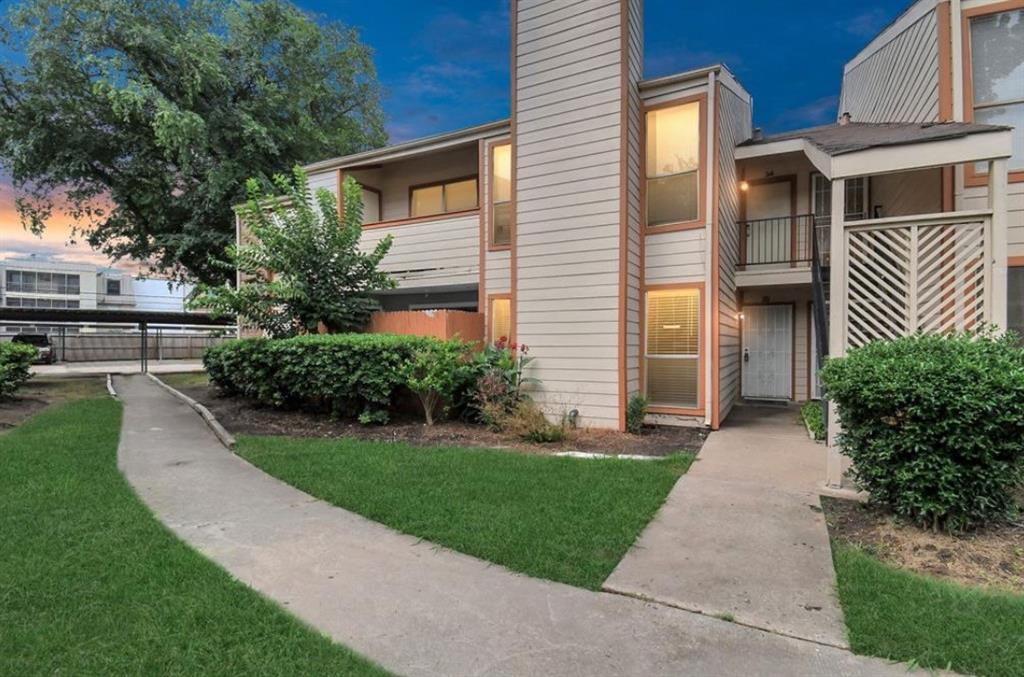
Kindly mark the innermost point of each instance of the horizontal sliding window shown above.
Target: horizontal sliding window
(443, 198)
(997, 75)
(501, 195)
(673, 164)
(672, 357)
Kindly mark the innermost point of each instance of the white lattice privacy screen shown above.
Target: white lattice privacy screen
(906, 278)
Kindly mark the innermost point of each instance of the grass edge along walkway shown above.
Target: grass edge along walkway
(563, 519)
(92, 583)
(905, 616)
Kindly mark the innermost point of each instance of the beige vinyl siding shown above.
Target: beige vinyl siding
(634, 281)
(497, 272)
(678, 256)
(444, 251)
(734, 122)
(327, 179)
(899, 81)
(977, 198)
(567, 122)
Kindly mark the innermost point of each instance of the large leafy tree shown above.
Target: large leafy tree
(147, 116)
(300, 262)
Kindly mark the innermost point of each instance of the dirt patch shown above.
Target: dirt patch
(40, 393)
(992, 557)
(241, 417)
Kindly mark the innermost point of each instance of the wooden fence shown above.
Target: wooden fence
(442, 324)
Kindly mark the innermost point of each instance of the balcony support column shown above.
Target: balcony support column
(836, 321)
(997, 179)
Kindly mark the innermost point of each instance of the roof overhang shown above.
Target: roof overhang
(424, 146)
(924, 154)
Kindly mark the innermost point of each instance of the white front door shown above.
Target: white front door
(768, 352)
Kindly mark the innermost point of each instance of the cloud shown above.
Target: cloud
(818, 112)
(867, 24)
(457, 77)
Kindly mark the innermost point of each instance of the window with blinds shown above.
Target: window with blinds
(501, 319)
(672, 358)
(501, 195)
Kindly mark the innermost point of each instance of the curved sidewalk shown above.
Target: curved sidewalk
(411, 606)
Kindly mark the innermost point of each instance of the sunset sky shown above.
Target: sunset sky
(444, 65)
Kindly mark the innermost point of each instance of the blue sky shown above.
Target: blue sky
(444, 65)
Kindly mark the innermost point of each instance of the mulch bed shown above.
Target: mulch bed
(992, 557)
(245, 418)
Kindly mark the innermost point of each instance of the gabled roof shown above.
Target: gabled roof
(839, 139)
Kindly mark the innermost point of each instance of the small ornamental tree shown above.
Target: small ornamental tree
(435, 373)
(303, 268)
(934, 425)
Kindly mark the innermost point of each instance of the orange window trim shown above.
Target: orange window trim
(486, 196)
(443, 183)
(700, 221)
(1015, 261)
(972, 177)
(491, 298)
(702, 349)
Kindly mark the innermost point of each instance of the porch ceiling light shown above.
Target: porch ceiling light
(744, 186)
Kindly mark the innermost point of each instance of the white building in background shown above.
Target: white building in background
(37, 282)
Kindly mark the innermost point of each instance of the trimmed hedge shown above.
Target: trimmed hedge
(347, 374)
(15, 366)
(934, 425)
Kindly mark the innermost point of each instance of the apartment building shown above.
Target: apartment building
(641, 237)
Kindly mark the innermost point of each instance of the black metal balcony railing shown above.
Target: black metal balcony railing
(781, 240)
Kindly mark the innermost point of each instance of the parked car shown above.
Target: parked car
(41, 342)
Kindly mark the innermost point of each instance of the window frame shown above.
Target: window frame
(491, 244)
(444, 183)
(702, 348)
(380, 203)
(120, 287)
(701, 220)
(973, 177)
(491, 298)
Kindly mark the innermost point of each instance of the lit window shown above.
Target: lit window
(444, 198)
(673, 164)
(997, 75)
(501, 319)
(672, 356)
(501, 195)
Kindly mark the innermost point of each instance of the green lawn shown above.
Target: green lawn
(563, 519)
(907, 617)
(91, 583)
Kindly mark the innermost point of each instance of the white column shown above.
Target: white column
(836, 319)
(997, 177)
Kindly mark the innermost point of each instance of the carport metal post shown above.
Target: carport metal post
(144, 338)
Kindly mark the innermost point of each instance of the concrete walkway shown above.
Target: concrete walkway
(414, 607)
(742, 533)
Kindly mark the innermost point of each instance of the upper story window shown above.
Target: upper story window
(673, 164)
(445, 197)
(821, 199)
(113, 287)
(33, 282)
(371, 205)
(501, 195)
(997, 75)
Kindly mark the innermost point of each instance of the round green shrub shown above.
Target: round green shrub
(15, 366)
(934, 425)
(348, 374)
